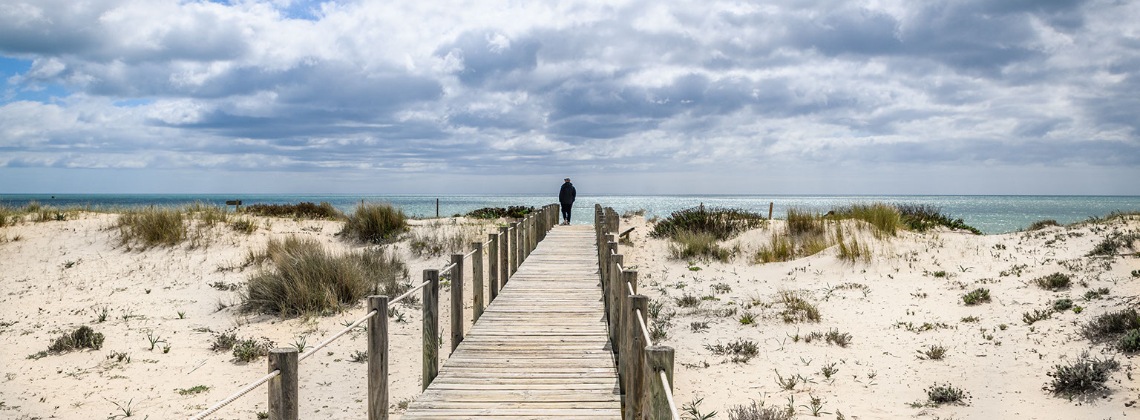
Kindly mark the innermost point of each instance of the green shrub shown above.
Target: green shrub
(1130, 341)
(1110, 325)
(302, 210)
(1062, 304)
(977, 296)
(305, 278)
(81, 338)
(1081, 376)
(1042, 224)
(248, 350)
(923, 217)
(152, 226)
(1036, 315)
(946, 394)
(375, 223)
(513, 212)
(1113, 244)
(721, 223)
(1053, 282)
(741, 350)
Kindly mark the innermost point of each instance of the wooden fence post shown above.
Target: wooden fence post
(456, 301)
(493, 267)
(378, 358)
(477, 281)
(504, 256)
(283, 396)
(513, 248)
(657, 359)
(770, 205)
(519, 244)
(613, 304)
(524, 239)
(431, 327)
(635, 385)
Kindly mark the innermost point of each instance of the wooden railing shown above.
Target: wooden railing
(645, 370)
(503, 252)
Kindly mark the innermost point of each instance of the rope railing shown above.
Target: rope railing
(503, 257)
(645, 369)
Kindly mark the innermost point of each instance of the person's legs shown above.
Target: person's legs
(566, 214)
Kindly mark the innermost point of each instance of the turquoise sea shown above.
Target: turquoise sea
(990, 214)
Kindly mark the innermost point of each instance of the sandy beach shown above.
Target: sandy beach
(160, 309)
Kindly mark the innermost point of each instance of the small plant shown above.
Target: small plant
(125, 409)
(687, 301)
(194, 390)
(940, 274)
(181, 314)
(933, 352)
(815, 405)
(248, 350)
(699, 326)
(741, 350)
(244, 225)
(1037, 315)
(747, 318)
(101, 313)
(829, 370)
(1053, 282)
(692, 409)
(788, 383)
(1130, 341)
(153, 338)
(756, 411)
(375, 223)
(81, 338)
(796, 308)
(1081, 376)
(1063, 304)
(946, 394)
(971, 319)
(1111, 325)
(119, 356)
(977, 296)
(1092, 294)
(359, 356)
(224, 341)
(299, 342)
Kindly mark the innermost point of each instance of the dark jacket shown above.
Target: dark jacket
(566, 195)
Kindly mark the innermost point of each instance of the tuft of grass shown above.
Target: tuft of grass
(1042, 224)
(689, 245)
(933, 352)
(302, 210)
(946, 394)
(1037, 315)
(152, 226)
(756, 411)
(833, 336)
(1114, 243)
(779, 248)
(796, 308)
(884, 218)
(1081, 376)
(248, 350)
(923, 217)
(747, 318)
(194, 390)
(687, 301)
(224, 341)
(741, 350)
(721, 223)
(243, 225)
(854, 251)
(375, 223)
(81, 338)
(802, 222)
(977, 296)
(305, 278)
(1054, 282)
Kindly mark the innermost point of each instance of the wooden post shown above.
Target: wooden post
(431, 327)
(378, 358)
(524, 238)
(437, 208)
(770, 205)
(493, 267)
(657, 359)
(477, 281)
(513, 248)
(283, 395)
(456, 301)
(634, 360)
(614, 300)
(504, 256)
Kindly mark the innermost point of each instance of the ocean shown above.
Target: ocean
(990, 214)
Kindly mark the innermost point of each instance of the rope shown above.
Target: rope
(406, 294)
(236, 395)
(644, 329)
(447, 269)
(336, 336)
(669, 395)
(469, 253)
(629, 286)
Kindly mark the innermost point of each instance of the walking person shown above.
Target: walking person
(566, 199)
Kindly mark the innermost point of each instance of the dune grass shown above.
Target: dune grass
(436, 238)
(302, 210)
(375, 223)
(689, 245)
(303, 278)
(885, 219)
(722, 224)
(152, 226)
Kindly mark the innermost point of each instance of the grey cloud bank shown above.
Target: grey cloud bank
(829, 97)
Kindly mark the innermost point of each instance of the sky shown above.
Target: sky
(625, 96)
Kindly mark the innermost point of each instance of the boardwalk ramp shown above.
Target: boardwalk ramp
(540, 350)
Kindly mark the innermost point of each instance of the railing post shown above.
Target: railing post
(613, 304)
(657, 359)
(431, 327)
(456, 301)
(634, 360)
(493, 267)
(513, 248)
(504, 256)
(477, 281)
(283, 396)
(524, 239)
(378, 358)
(518, 243)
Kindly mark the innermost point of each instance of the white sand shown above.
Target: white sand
(878, 375)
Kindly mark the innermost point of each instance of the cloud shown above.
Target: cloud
(466, 88)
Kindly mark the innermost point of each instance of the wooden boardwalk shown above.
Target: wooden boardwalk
(540, 350)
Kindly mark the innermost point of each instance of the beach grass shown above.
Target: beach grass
(152, 226)
(304, 278)
(721, 223)
(375, 223)
(302, 210)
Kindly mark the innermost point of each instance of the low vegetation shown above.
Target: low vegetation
(152, 226)
(304, 278)
(939, 394)
(977, 296)
(302, 210)
(80, 338)
(757, 411)
(375, 223)
(1054, 282)
(740, 351)
(796, 308)
(690, 245)
(923, 217)
(722, 224)
(512, 212)
(436, 238)
(1111, 326)
(1042, 224)
(885, 219)
(1081, 376)
(1114, 243)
